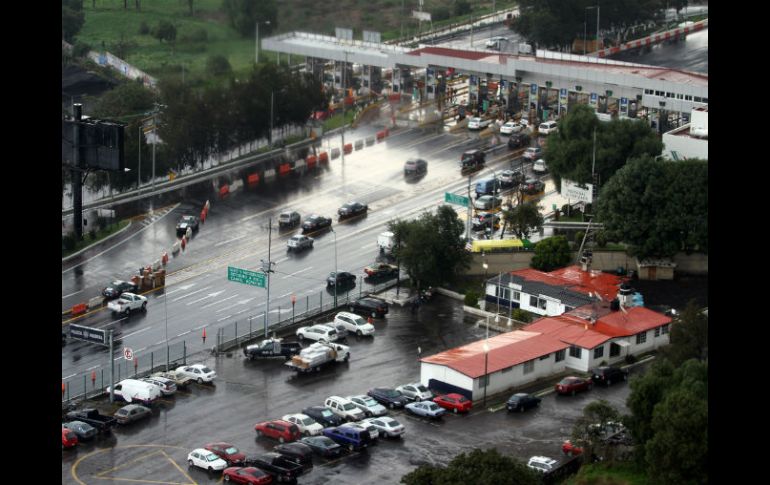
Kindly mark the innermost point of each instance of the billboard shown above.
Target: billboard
(101, 144)
(577, 192)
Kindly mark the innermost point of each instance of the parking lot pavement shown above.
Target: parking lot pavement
(247, 392)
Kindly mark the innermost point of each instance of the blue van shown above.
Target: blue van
(350, 438)
(487, 187)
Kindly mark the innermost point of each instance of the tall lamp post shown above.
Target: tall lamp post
(484, 283)
(266, 22)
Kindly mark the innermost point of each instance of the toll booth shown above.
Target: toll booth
(371, 79)
(341, 68)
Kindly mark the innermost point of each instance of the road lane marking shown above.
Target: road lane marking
(198, 328)
(190, 294)
(296, 273)
(65, 296)
(206, 297)
(184, 333)
(71, 375)
(229, 241)
(218, 302)
(134, 333)
(185, 287)
(224, 318)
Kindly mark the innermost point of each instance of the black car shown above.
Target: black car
(185, 222)
(323, 415)
(323, 446)
(388, 397)
(315, 223)
(117, 288)
(369, 307)
(522, 401)
(518, 140)
(472, 159)
(280, 467)
(288, 219)
(608, 375)
(352, 209)
(340, 278)
(415, 166)
(532, 186)
(299, 453)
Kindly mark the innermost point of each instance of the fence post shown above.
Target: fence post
(68, 391)
(184, 352)
(152, 361)
(236, 333)
(102, 379)
(85, 387)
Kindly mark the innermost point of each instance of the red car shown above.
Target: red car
(279, 429)
(68, 438)
(568, 448)
(246, 475)
(227, 452)
(456, 403)
(571, 385)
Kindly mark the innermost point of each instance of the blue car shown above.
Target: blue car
(428, 409)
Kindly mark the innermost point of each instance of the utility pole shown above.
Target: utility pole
(267, 267)
(112, 367)
(139, 168)
(270, 137)
(77, 182)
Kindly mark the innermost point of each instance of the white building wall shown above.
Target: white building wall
(501, 381)
(581, 364)
(443, 373)
(686, 147)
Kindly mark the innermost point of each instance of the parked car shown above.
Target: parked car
(494, 42)
(186, 222)
(133, 390)
(297, 452)
(427, 409)
(131, 413)
(353, 323)
(323, 445)
(510, 127)
(319, 333)
(415, 391)
(477, 123)
(349, 437)
(249, 475)
(483, 220)
(368, 405)
(547, 127)
(457, 403)
(118, 287)
(323, 416)
(570, 449)
(518, 140)
(489, 186)
(415, 166)
(279, 466)
(299, 242)
(316, 223)
(84, 431)
(540, 166)
(344, 408)
(199, 372)
(488, 202)
(542, 464)
(232, 455)
(206, 460)
(278, 429)
(572, 384)
(608, 375)
(472, 159)
(522, 401)
(533, 153)
(340, 278)
(289, 219)
(127, 303)
(101, 422)
(181, 381)
(387, 426)
(388, 397)
(532, 186)
(363, 425)
(377, 270)
(352, 209)
(307, 425)
(68, 438)
(167, 386)
(510, 178)
(369, 306)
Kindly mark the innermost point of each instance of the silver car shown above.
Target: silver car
(416, 392)
(368, 405)
(167, 386)
(299, 242)
(387, 426)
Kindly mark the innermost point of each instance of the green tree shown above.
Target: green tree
(523, 218)
(72, 19)
(487, 467)
(244, 15)
(462, 7)
(430, 248)
(585, 432)
(551, 253)
(689, 336)
(128, 98)
(165, 30)
(217, 65)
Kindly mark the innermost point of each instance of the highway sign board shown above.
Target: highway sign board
(239, 275)
(88, 334)
(128, 353)
(456, 199)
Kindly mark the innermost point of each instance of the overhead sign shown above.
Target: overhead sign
(370, 36)
(577, 192)
(128, 353)
(239, 275)
(421, 15)
(342, 33)
(456, 199)
(88, 334)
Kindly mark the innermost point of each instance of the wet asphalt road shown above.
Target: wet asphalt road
(248, 392)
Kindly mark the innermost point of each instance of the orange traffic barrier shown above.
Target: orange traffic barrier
(284, 168)
(394, 97)
(164, 258)
(323, 157)
(380, 135)
(348, 148)
(79, 308)
(253, 179)
(203, 216)
(184, 242)
(224, 190)
(310, 160)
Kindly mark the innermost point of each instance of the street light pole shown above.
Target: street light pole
(484, 283)
(267, 22)
(336, 280)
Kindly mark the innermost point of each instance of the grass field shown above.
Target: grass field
(617, 474)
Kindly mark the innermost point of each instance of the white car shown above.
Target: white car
(415, 391)
(368, 405)
(307, 425)
(539, 166)
(353, 323)
(495, 42)
(542, 464)
(198, 372)
(319, 333)
(206, 460)
(532, 153)
(387, 426)
(511, 127)
(373, 431)
(167, 386)
(127, 303)
(299, 241)
(477, 123)
(344, 408)
(547, 127)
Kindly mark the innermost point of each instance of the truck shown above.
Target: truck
(281, 468)
(386, 241)
(319, 354)
(272, 347)
(101, 422)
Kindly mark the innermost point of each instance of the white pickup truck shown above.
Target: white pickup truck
(314, 357)
(127, 303)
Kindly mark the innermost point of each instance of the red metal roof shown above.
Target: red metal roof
(569, 329)
(574, 278)
(505, 350)
(632, 321)
(444, 51)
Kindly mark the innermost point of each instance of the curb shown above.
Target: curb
(65, 259)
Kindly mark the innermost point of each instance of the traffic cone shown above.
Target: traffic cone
(62, 388)
(93, 378)
(204, 335)
(184, 242)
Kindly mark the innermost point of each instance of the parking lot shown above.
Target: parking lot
(247, 392)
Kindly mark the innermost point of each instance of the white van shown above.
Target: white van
(547, 127)
(353, 323)
(132, 390)
(540, 166)
(344, 408)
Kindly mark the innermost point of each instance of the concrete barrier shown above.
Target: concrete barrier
(359, 145)
(175, 248)
(270, 174)
(188, 233)
(369, 141)
(253, 179)
(156, 265)
(323, 157)
(300, 164)
(284, 169)
(335, 153)
(95, 302)
(224, 190)
(348, 148)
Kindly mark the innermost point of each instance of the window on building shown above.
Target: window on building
(614, 349)
(657, 331)
(516, 296)
(688, 97)
(541, 304)
(697, 99)
(483, 381)
(598, 352)
(507, 369)
(705, 100)
(659, 93)
(648, 91)
(670, 95)
(679, 96)
(575, 351)
(665, 328)
(559, 355)
(529, 366)
(641, 338)
(544, 357)
(533, 301)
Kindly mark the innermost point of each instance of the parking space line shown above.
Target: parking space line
(134, 333)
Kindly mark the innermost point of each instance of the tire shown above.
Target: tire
(200, 381)
(210, 470)
(280, 439)
(454, 410)
(625, 377)
(350, 447)
(189, 463)
(391, 405)
(347, 358)
(301, 336)
(352, 309)
(259, 434)
(359, 333)
(573, 392)
(374, 314)
(226, 478)
(128, 312)
(521, 409)
(144, 306)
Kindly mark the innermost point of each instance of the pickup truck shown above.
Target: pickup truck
(181, 381)
(272, 348)
(282, 469)
(101, 422)
(315, 356)
(127, 303)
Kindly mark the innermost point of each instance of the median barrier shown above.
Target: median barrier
(323, 157)
(369, 141)
(164, 258)
(311, 160)
(224, 190)
(156, 265)
(394, 97)
(284, 169)
(175, 248)
(183, 242)
(336, 153)
(348, 148)
(95, 302)
(203, 216)
(380, 135)
(188, 233)
(79, 308)
(299, 164)
(359, 144)
(207, 205)
(270, 174)
(253, 179)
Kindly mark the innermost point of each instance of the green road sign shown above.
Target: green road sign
(245, 276)
(455, 199)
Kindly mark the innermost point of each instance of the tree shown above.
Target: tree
(523, 218)
(551, 253)
(587, 435)
(487, 467)
(649, 204)
(430, 248)
(165, 30)
(689, 336)
(462, 7)
(218, 65)
(72, 19)
(127, 98)
(244, 15)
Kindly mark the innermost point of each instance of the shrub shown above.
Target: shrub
(630, 359)
(462, 7)
(69, 241)
(92, 234)
(441, 13)
(217, 65)
(80, 49)
(579, 237)
(601, 239)
(144, 29)
(471, 298)
(521, 315)
(551, 253)
(198, 34)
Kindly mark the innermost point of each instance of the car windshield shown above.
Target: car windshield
(422, 388)
(122, 412)
(205, 370)
(390, 393)
(308, 421)
(232, 450)
(432, 406)
(326, 413)
(211, 457)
